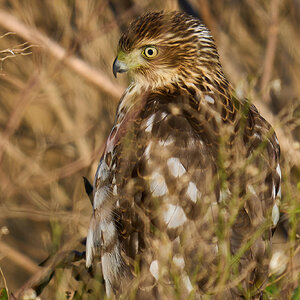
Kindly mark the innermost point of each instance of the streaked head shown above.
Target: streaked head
(160, 48)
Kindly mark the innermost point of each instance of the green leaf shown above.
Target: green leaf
(3, 287)
(296, 293)
(272, 290)
(3, 294)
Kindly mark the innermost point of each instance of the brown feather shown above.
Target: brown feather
(190, 174)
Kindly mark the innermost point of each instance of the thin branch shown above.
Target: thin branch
(270, 50)
(19, 258)
(18, 49)
(43, 177)
(7, 34)
(3, 283)
(18, 113)
(69, 169)
(41, 215)
(207, 16)
(91, 74)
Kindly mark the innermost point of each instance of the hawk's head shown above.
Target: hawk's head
(162, 48)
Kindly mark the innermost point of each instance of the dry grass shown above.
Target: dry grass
(58, 98)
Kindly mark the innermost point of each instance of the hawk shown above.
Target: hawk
(185, 197)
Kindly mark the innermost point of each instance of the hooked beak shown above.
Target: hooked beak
(119, 67)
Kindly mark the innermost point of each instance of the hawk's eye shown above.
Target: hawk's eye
(150, 52)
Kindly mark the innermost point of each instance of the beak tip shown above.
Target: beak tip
(115, 67)
(118, 67)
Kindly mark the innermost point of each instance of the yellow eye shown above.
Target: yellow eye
(150, 52)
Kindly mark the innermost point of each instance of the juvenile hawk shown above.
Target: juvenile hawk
(185, 192)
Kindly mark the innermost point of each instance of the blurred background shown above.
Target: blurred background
(58, 98)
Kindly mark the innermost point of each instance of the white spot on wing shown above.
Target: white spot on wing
(163, 115)
(135, 239)
(192, 192)
(251, 190)
(175, 110)
(174, 216)
(274, 191)
(178, 260)
(154, 269)
(187, 283)
(216, 249)
(158, 185)
(115, 190)
(278, 262)
(209, 99)
(147, 151)
(170, 140)
(275, 214)
(278, 170)
(224, 195)
(149, 124)
(279, 192)
(175, 166)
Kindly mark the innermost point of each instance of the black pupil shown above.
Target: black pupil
(150, 52)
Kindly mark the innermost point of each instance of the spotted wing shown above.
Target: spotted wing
(166, 184)
(181, 182)
(256, 170)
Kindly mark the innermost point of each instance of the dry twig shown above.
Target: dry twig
(207, 16)
(17, 114)
(11, 23)
(270, 50)
(20, 49)
(19, 258)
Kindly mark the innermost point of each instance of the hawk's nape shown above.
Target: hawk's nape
(185, 195)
